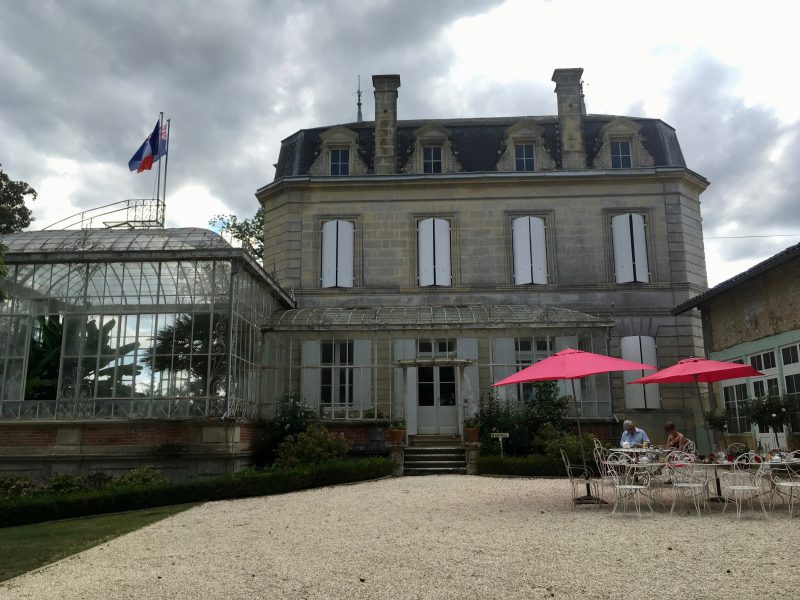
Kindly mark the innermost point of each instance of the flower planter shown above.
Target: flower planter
(471, 434)
(397, 436)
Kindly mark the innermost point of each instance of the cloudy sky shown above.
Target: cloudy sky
(82, 83)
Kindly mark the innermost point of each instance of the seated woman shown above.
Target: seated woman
(675, 439)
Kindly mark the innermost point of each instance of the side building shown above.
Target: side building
(754, 318)
(124, 348)
(430, 258)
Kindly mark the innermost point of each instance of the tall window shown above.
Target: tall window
(530, 251)
(431, 159)
(337, 254)
(620, 154)
(336, 375)
(340, 161)
(433, 248)
(641, 349)
(735, 397)
(630, 248)
(523, 157)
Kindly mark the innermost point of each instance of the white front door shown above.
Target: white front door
(437, 412)
(766, 438)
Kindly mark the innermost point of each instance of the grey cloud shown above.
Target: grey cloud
(730, 143)
(86, 80)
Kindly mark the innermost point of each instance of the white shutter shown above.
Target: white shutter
(538, 250)
(362, 374)
(623, 249)
(441, 251)
(639, 349)
(642, 273)
(521, 234)
(504, 363)
(310, 374)
(329, 254)
(425, 252)
(344, 277)
(468, 348)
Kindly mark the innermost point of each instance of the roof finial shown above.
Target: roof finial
(359, 118)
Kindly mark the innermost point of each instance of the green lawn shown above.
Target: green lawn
(30, 546)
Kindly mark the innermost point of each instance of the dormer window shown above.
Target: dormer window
(340, 161)
(620, 154)
(523, 157)
(431, 159)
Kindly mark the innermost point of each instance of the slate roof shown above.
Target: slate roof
(477, 141)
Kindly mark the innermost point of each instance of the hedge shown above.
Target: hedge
(34, 509)
(530, 466)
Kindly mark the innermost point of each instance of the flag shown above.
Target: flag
(153, 148)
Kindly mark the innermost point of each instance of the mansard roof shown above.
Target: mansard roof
(478, 141)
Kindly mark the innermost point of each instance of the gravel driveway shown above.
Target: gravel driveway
(431, 537)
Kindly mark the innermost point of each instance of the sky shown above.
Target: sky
(82, 84)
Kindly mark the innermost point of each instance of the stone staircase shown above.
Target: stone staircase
(434, 455)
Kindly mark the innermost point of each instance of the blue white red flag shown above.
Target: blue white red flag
(153, 148)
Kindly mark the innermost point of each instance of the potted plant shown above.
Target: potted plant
(397, 432)
(472, 430)
(769, 411)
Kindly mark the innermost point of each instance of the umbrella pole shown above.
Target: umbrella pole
(588, 498)
(703, 408)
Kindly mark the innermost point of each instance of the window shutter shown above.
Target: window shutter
(521, 234)
(329, 253)
(309, 374)
(468, 348)
(441, 251)
(538, 251)
(623, 248)
(641, 271)
(639, 349)
(425, 252)
(344, 277)
(504, 363)
(362, 374)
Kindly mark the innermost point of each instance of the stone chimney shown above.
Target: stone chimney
(571, 109)
(386, 123)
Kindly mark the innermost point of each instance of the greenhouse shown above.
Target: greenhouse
(107, 324)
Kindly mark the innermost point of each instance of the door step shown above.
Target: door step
(434, 460)
(435, 440)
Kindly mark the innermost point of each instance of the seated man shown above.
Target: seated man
(675, 439)
(632, 435)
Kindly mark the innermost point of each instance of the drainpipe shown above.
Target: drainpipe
(229, 365)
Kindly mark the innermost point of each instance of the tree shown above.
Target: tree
(14, 215)
(248, 231)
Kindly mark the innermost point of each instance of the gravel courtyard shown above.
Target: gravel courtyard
(431, 537)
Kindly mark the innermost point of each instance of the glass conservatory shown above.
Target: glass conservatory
(131, 324)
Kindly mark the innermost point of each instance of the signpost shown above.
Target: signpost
(501, 437)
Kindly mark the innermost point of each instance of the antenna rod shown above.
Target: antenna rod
(359, 118)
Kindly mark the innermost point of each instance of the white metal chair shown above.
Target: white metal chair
(631, 483)
(579, 479)
(744, 483)
(786, 480)
(600, 454)
(689, 447)
(688, 481)
(735, 449)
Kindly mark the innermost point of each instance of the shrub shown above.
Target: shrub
(63, 483)
(13, 487)
(529, 466)
(291, 418)
(316, 444)
(33, 509)
(140, 476)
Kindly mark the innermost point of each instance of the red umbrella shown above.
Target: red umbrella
(573, 364)
(694, 370)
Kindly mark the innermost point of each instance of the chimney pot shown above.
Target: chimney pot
(571, 109)
(385, 123)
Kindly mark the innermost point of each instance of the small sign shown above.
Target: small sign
(500, 435)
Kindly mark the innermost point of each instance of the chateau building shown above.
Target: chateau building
(430, 258)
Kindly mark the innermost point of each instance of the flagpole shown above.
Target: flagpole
(158, 145)
(166, 164)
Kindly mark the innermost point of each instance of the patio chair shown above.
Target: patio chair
(786, 480)
(600, 454)
(690, 447)
(688, 481)
(744, 483)
(735, 449)
(631, 483)
(579, 478)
